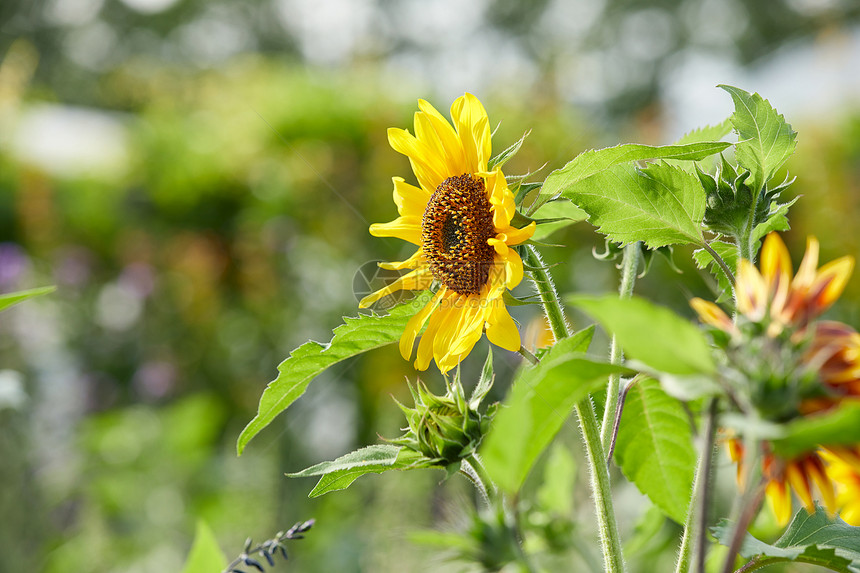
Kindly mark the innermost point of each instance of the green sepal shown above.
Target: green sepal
(499, 160)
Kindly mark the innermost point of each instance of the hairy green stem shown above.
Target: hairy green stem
(695, 528)
(629, 267)
(474, 470)
(601, 491)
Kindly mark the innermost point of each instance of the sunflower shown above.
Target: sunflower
(784, 308)
(459, 217)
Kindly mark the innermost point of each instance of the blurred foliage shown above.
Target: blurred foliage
(218, 226)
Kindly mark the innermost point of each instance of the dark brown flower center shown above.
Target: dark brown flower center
(454, 231)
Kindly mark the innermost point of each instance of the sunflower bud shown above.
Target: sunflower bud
(444, 429)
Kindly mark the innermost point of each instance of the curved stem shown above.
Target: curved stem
(695, 528)
(629, 267)
(721, 262)
(610, 540)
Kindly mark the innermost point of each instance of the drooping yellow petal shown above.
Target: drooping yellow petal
(800, 484)
(513, 269)
(410, 200)
(779, 500)
(815, 470)
(425, 345)
(502, 330)
(419, 279)
(416, 323)
(406, 228)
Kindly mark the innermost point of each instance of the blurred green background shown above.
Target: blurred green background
(197, 178)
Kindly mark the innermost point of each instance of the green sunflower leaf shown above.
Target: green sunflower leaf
(651, 334)
(837, 427)
(814, 539)
(565, 214)
(340, 473)
(9, 299)
(766, 140)
(358, 334)
(205, 555)
(655, 449)
(541, 400)
(660, 204)
(700, 135)
(593, 161)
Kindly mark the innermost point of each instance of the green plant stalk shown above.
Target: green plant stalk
(474, 470)
(746, 506)
(693, 541)
(601, 489)
(629, 267)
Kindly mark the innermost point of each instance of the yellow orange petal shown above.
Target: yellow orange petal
(751, 291)
(776, 268)
(711, 314)
(779, 501)
(830, 282)
(815, 470)
(800, 484)
(806, 272)
(425, 345)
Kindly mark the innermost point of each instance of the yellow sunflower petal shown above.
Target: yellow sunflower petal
(513, 269)
(452, 146)
(502, 330)
(830, 282)
(514, 236)
(418, 279)
(815, 470)
(406, 228)
(473, 127)
(410, 200)
(806, 272)
(412, 262)
(776, 268)
(425, 345)
(711, 314)
(416, 323)
(779, 501)
(428, 167)
(751, 291)
(800, 484)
